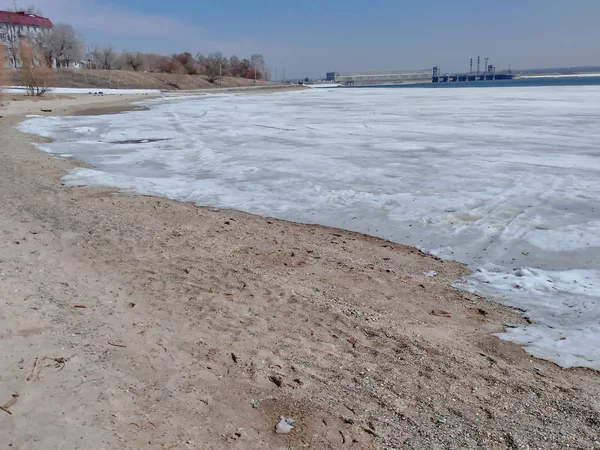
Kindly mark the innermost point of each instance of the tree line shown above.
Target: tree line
(63, 47)
(213, 65)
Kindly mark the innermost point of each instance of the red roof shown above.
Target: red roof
(22, 18)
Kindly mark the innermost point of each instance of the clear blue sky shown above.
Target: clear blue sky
(310, 37)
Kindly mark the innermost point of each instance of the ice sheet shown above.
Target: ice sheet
(501, 179)
(562, 304)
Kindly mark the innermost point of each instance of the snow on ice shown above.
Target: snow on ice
(505, 180)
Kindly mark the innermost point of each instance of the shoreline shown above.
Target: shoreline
(238, 319)
(89, 104)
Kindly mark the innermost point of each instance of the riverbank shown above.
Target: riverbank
(138, 322)
(19, 105)
(128, 79)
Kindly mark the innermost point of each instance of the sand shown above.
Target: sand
(134, 322)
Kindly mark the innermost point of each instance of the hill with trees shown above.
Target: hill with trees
(74, 63)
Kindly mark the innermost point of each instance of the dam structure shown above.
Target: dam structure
(489, 75)
(395, 77)
(377, 78)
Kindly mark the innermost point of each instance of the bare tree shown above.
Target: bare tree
(176, 68)
(154, 62)
(225, 67)
(244, 67)
(133, 60)
(93, 54)
(257, 62)
(234, 66)
(201, 62)
(61, 45)
(254, 74)
(36, 75)
(108, 57)
(69, 45)
(187, 61)
(213, 66)
(180, 72)
(103, 57)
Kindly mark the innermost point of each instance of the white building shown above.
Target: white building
(14, 26)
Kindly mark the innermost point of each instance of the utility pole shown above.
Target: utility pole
(220, 75)
(283, 76)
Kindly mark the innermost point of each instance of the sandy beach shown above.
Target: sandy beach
(133, 322)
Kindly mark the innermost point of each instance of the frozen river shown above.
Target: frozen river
(505, 180)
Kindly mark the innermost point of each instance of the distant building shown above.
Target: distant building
(389, 77)
(16, 25)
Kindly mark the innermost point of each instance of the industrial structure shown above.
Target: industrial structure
(16, 25)
(489, 74)
(374, 78)
(420, 76)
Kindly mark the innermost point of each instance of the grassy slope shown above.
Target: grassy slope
(124, 79)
